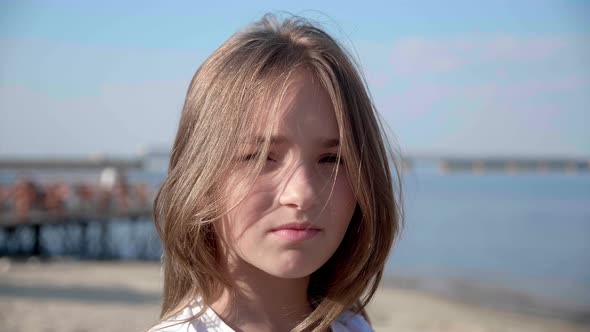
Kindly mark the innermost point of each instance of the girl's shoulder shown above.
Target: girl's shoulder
(351, 322)
(210, 322)
(184, 322)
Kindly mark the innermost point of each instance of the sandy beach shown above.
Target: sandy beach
(124, 296)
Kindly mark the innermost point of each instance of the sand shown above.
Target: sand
(124, 296)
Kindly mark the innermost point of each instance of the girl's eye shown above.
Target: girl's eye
(331, 159)
(249, 157)
(254, 156)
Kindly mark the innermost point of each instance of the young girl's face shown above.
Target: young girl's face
(297, 211)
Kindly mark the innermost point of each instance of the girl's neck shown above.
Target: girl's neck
(263, 302)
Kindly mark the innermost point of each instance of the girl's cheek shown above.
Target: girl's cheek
(344, 189)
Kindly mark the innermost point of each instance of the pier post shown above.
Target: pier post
(36, 240)
(83, 239)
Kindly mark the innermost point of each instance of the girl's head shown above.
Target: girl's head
(279, 164)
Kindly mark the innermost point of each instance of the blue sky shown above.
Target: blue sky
(452, 77)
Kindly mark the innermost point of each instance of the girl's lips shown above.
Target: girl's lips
(297, 226)
(296, 234)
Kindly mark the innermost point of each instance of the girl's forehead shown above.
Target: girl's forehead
(303, 105)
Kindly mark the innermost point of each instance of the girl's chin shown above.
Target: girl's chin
(291, 275)
(292, 272)
(294, 264)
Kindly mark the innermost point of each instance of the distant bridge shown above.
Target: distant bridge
(499, 164)
(513, 165)
(70, 163)
(158, 160)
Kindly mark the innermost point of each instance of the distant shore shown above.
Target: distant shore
(69, 295)
(498, 298)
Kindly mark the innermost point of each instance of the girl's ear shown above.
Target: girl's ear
(220, 229)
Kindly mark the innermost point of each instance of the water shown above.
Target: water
(529, 232)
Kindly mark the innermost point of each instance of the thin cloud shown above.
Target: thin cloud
(426, 55)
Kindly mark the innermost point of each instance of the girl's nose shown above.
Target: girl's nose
(298, 188)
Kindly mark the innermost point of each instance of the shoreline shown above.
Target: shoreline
(470, 292)
(71, 295)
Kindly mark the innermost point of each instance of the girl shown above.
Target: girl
(279, 210)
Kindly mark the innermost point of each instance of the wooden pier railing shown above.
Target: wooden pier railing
(17, 230)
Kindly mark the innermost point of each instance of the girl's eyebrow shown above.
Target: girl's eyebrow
(330, 142)
(278, 140)
(274, 140)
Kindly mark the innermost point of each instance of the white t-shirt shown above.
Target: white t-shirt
(210, 322)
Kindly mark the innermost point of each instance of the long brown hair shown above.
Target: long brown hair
(222, 105)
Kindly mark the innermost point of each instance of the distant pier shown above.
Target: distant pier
(483, 165)
(79, 214)
(28, 208)
(508, 165)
